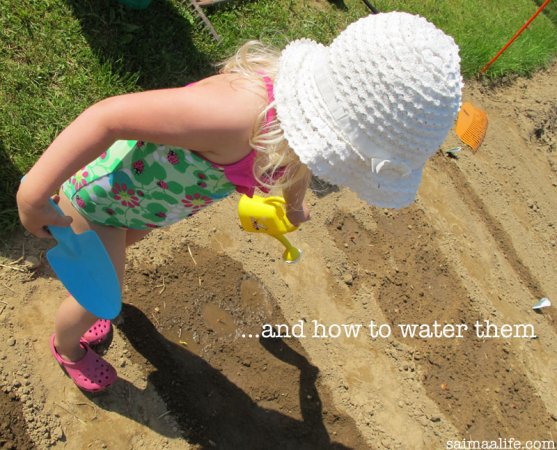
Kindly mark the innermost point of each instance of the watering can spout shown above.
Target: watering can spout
(268, 215)
(291, 254)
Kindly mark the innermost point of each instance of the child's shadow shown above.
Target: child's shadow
(9, 183)
(154, 44)
(213, 412)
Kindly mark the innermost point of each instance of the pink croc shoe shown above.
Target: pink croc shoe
(98, 332)
(91, 373)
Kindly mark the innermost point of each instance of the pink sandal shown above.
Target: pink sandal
(98, 332)
(91, 373)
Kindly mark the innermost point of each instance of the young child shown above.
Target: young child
(365, 112)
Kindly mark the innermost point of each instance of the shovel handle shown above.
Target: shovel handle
(61, 234)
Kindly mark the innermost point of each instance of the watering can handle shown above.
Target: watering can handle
(281, 210)
(274, 198)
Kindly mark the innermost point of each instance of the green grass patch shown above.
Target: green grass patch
(550, 10)
(59, 56)
(481, 28)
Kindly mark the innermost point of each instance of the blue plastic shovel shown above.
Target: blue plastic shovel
(85, 269)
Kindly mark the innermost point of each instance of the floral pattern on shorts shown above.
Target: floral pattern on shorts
(142, 185)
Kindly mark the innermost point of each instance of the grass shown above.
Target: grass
(550, 10)
(481, 28)
(59, 56)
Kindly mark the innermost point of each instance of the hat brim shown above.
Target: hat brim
(311, 133)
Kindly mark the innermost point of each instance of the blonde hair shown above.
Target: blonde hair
(275, 160)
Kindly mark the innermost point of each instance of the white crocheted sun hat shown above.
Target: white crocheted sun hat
(368, 111)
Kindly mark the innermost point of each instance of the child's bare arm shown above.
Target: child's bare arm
(212, 116)
(296, 209)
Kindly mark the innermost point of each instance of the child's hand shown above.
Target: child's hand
(297, 216)
(35, 218)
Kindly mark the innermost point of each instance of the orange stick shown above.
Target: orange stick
(540, 9)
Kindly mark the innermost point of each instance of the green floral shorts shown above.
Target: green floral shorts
(141, 185)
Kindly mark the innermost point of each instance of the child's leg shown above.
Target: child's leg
(133, 236)
(72, 320)
(70, 323)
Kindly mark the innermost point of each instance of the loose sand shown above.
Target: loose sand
(479, 244)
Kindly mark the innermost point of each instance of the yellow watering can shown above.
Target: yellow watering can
(268, 215)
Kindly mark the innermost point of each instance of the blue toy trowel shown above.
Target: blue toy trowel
(86, 270)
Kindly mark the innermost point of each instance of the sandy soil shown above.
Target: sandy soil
(479, 244)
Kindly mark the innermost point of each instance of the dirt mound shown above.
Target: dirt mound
(478, 247)
(13, 430)
(188, 333)
(415, 284)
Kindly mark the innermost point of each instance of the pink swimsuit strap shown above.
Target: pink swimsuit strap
(271, 114)
(240, 173)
